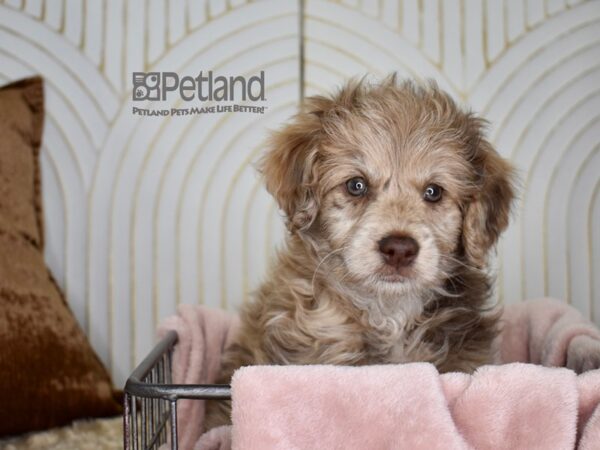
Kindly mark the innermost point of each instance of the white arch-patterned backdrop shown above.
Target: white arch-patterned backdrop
(143, 213)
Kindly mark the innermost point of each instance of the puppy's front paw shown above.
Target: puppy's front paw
(583, 354)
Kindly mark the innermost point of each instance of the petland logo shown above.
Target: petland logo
(205, 87)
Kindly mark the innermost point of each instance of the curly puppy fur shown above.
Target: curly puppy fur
(330, 297)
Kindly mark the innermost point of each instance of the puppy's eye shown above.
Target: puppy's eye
(356, 186)
(433, 193)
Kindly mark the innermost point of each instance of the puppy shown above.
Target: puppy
(393, 198)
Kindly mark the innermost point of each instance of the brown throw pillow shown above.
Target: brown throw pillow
(49, 374)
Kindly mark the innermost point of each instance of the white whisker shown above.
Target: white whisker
(463, 264)
(312, 283)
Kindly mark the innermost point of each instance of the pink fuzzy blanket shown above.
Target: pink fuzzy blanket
(512, 405)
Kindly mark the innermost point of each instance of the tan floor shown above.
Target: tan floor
(99, 434)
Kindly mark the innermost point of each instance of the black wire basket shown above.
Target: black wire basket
(150, 413)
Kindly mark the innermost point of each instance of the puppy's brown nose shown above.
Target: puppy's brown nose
(398, 251)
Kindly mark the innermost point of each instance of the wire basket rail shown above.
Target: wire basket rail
(150, 413)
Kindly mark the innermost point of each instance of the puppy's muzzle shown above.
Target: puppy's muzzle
(398, 251)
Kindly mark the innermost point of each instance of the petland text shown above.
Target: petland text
(205, 87)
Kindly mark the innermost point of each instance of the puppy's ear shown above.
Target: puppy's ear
(290, 166)
(488, 214)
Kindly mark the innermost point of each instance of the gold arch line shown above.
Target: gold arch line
(522, 222)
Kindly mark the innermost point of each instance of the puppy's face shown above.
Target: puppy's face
(394, 185)
(393, 210)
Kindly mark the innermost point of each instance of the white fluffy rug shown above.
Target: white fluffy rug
(98, 434)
